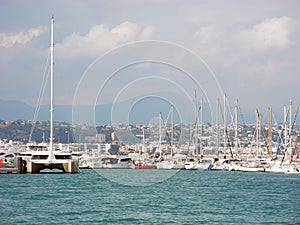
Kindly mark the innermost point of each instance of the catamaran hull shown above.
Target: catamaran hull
(66, 167)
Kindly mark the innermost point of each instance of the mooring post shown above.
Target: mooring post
(20, 165)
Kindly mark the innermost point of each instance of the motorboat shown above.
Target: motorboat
(117, 162)
(193, 163)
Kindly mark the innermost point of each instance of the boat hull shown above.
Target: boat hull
(66, 167)
(144, 167)
(166, 165)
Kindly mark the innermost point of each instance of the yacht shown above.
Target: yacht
(50, 158)
(61, 160)
(142, 164)
(193, 163)
(170, 164)
(117, 162)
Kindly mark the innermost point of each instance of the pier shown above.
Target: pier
(9, 170)
(18, 168)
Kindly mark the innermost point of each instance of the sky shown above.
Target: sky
(250, 48)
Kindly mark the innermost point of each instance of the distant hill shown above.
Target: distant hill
(141, 113)
(18, 110)
(15, 110)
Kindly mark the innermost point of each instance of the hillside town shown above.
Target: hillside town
(149, 145)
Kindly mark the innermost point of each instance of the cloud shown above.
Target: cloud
(242, 45)
(209, 40)
(269, 34)
(21, 38)
(100, 39)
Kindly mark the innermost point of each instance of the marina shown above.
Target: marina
(150, 112)
(224, 145)
(245, 148)
(35, 159)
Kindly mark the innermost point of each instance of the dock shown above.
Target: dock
(17, 168)
(9, 170)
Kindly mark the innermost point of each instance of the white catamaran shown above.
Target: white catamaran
(50, 159)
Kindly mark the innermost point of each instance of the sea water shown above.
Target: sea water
(161, 197)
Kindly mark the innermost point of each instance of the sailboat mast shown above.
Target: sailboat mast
(160, 130)
(201, 126)
(236, 128)
(217, 127)
(143, 140)
(285, 126)
(172, 131)
(257, 133)
(290, 126)
(269, 132)
(225, 124)
(196, 127)
(51, 87)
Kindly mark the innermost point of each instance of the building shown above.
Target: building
(101, 138)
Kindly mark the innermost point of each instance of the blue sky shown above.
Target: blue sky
(252, 47)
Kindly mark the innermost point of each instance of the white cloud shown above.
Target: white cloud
(269, 34)
(208, 40)
(21, 38)
(271, 67)
(100, 39)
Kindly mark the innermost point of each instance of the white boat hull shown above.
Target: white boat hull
(66, 167)
(167, 165)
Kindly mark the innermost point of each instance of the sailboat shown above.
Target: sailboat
(143, 163)
(196, 160)
(171, 161)
(289, 161)
(51, 159)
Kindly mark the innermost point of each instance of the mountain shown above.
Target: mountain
(139, 114)
(15, 110)
(18, 110)
(143, 113)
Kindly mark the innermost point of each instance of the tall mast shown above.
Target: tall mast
(172, 129)
(196, 126)
(225, 128)
(201, 126)
(143, 140)
(236, 128)
(269, 131)
(159, 144)
(257, 132)
(217, 126)
(201, 116)
(285, 127)
(290, 130)
(51, 88)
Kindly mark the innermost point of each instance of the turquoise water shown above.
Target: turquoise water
(186, 197)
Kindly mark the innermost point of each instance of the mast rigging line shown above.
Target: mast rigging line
(280, 132)
(226, 135)
(41, 94)
(293, 125)
(242, 115)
